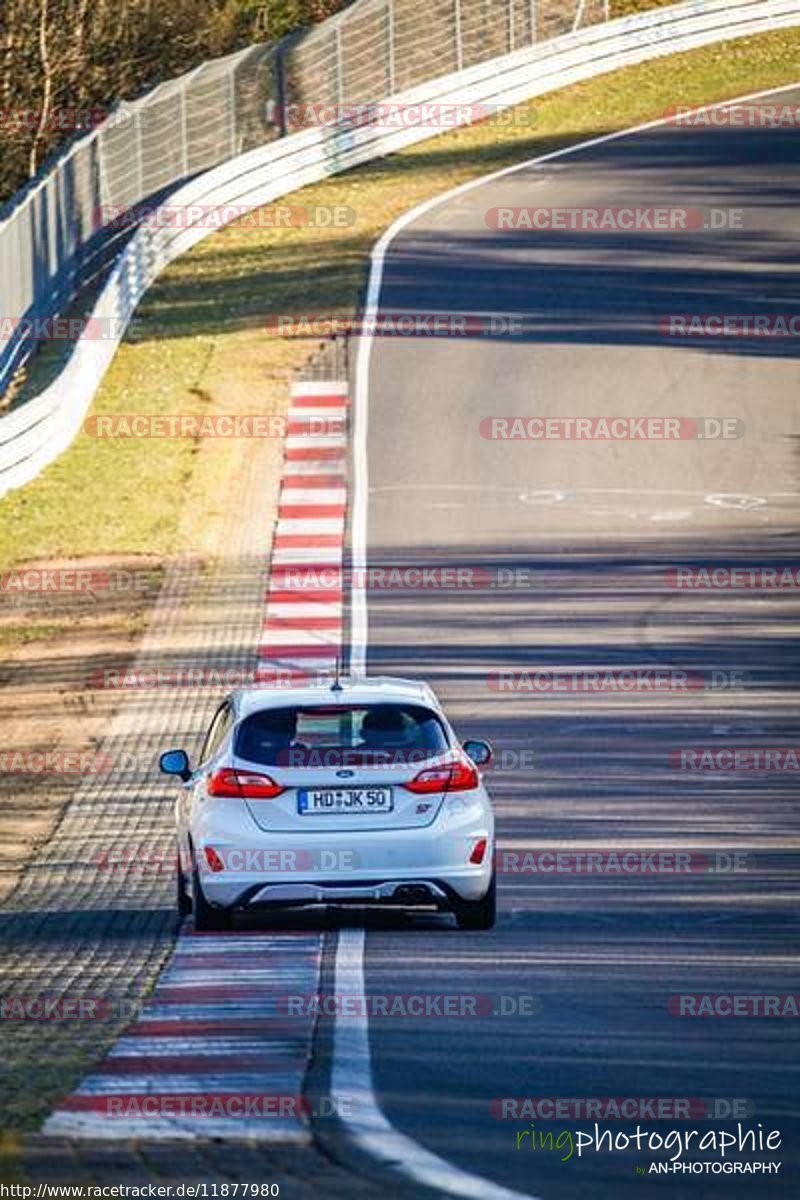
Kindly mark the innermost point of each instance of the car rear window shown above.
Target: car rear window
(374, 734)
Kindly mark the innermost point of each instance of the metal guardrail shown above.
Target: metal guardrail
(36, 433)
(54, 240)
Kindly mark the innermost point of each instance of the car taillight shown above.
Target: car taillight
(456, 776)
(213, 859)
(243, 785)
(478, 851)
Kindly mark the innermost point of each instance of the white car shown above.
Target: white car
(355, 792)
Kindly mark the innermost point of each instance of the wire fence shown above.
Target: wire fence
(378, 48)
(62, 233)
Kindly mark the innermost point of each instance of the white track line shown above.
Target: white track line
(351, 1072)
(352, 1092)
(307, 387)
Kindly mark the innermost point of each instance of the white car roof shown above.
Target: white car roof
(363, 689)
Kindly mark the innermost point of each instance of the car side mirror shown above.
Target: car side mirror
(479, 752)
(176, 762)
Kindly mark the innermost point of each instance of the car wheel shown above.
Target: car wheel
(206, 918)
(184, 902)
(478, 914)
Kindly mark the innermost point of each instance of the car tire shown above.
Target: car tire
(206, 918)
(184, 903)
(478, 914)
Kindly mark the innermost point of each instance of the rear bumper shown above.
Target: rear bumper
(369, 869)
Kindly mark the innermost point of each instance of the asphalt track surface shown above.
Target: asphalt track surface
(593, 528)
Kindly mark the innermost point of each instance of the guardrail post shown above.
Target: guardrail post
(339, 71)
(459, 47)
(137, 133)
(232, 103)
(390, 44)
(184, 135)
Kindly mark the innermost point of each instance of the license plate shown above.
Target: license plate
(357, 801)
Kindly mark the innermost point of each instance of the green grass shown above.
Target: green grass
(200, 331)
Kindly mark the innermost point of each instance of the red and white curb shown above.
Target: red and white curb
(214, 1051)
(303, 630)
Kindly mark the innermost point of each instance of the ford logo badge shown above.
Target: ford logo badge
(345, 774)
